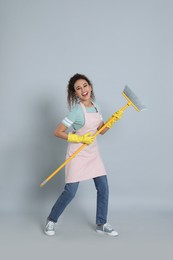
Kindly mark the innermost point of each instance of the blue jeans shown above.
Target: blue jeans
(69, 192)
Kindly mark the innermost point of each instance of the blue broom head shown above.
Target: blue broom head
(133, 99)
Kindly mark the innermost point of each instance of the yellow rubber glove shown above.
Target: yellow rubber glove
(86, 139)
(115, 117)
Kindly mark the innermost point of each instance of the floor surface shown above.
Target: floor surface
(142, 235)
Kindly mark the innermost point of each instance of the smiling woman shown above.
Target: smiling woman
(76, 84)
(83, 91)
(86, 119)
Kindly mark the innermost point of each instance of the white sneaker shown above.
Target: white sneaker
(106, 229)
(50, 228)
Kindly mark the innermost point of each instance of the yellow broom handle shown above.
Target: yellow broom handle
(62, 165)
(126, 106)
(80, 148)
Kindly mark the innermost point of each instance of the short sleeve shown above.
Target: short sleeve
(73, 117)
(70, 118)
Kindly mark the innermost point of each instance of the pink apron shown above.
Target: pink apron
(87, 164)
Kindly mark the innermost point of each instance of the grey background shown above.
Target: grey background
(43, 43)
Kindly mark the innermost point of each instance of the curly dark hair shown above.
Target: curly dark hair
(71, 97)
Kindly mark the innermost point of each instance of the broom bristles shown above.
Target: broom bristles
(130, 96)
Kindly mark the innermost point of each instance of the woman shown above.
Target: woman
(86, 119)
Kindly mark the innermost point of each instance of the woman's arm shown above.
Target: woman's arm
(60, 131)
(115, 117)
(104, 130)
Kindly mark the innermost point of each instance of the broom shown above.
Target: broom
(132, 99)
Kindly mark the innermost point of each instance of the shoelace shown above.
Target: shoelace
(50, 225)
(108, 226)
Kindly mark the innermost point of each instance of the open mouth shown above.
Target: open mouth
(84, 94)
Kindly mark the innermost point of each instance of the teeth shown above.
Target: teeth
(84, 94)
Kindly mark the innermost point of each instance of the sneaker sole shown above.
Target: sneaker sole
(49, 234)
(105, 233)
